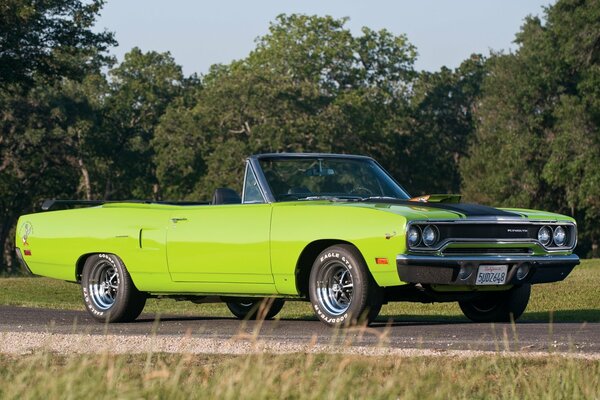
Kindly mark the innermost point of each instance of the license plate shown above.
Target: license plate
(491, 275)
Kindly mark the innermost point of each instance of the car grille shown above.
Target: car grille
(493, 233)
(489, 231)
(487, 251)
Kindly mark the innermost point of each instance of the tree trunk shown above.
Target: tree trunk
(86, 179)
(6, 241)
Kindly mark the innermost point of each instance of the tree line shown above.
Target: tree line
(507, 129)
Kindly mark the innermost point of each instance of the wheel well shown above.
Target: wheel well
(79, 265)
(306, 260)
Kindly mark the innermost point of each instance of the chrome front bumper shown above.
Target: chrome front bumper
(432, 269)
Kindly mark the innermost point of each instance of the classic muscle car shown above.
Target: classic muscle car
(336, 230)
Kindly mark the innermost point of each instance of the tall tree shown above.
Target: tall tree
(141, 88)
(309, 85)
(46, 49)
(42, 146)
(49, 39)
(442, 125)
(538, 144)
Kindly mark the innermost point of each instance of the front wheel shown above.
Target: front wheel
(340, 288)
(498, 306)
(108, 291)
(260, 308)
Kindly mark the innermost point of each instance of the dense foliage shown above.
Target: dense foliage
(537, 143)
(513, 129)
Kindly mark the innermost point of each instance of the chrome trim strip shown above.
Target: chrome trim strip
(490, 242)
(410, 259)
(22, 261)
(408, 196)
(501, 220)
(309, 155)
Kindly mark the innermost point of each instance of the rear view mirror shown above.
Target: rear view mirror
(318, 170)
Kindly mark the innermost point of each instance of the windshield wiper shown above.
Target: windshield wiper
(300, 196)
(342, 197)
(332, 198)
(378, 198)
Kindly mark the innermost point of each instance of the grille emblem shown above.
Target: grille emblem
(516, 230)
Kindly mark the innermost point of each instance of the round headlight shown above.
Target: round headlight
(560, 236)
(430, 235)
(545, 235)
(414, 236)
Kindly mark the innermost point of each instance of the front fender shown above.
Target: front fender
(378, 235)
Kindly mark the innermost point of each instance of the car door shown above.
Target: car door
(220, 244)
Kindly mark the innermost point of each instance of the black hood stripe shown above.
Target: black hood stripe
(468, 210)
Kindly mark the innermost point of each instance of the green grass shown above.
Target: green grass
(575, 299)
(311, 376)
(292, 376)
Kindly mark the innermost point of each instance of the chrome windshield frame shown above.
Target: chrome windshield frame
(254, 162)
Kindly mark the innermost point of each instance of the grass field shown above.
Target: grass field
(311, 376)
(292, 376)
(575, 299)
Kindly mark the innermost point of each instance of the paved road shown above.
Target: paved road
(522, 337)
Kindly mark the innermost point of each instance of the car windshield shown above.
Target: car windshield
(305, 178)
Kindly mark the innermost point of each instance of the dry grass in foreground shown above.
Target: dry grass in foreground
(295, 376)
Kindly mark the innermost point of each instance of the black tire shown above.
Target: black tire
(108, 291)
(260, 308)
(341, 290)
(498, 306)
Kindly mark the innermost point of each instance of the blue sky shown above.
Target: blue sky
(201, 33)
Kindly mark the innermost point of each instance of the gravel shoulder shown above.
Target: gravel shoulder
(23, 330)
(23, 343)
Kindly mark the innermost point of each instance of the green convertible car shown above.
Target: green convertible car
(336, 230)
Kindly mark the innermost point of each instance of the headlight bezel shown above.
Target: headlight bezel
(559, 229)
(547, 242)
(417, 230)
(436, 235)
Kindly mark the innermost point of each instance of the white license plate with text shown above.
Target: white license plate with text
(491, 275)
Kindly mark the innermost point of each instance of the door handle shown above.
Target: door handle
(176, 220)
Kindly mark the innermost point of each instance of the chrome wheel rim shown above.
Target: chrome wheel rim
(335, 287)
(104, 285)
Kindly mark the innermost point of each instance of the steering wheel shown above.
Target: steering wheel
(361, 190)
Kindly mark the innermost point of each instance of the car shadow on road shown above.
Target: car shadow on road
(401, 320)
(145, 318)
(555, 317)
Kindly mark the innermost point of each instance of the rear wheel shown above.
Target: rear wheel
(108, 291)
(498, 306)
(259, 308)
(341, 290)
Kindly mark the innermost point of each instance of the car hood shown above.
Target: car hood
(453, 211)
